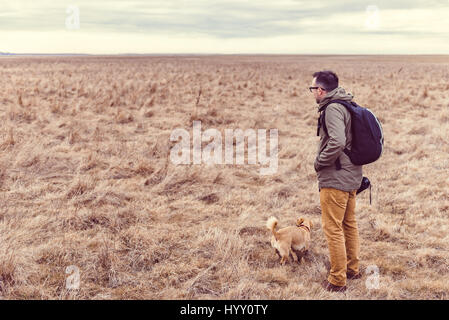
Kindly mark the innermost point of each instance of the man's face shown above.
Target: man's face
(317, 93)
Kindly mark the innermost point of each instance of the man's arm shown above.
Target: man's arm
(335, 124)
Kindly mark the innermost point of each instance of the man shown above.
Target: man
(338, 181)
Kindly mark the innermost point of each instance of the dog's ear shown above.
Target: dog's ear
(300, 221)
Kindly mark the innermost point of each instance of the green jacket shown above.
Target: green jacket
(331, 145)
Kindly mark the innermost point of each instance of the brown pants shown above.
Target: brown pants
(340, 228)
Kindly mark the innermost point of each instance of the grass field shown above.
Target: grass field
(86, 181)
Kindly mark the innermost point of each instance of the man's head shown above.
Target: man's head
(322, 83)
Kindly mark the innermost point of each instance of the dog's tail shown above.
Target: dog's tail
(272, 222)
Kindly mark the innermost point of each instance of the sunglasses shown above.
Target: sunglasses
(312, 88)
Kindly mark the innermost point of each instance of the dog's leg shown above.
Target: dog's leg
(283, 252)
(305, 255)
(283, 259)
(277, 252)
(298, 254)
(295, 257)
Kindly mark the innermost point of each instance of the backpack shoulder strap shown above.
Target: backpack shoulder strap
(347, 104)
(322, 110)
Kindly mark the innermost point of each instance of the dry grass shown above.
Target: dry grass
(85, 178)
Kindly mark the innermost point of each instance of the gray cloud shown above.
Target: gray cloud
(221, 19)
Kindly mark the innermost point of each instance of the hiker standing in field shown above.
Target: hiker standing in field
(338, 181)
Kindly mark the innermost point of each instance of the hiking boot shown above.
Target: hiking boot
(353, 276)
(331, 287)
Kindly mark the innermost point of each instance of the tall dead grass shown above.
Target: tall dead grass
(86, 181)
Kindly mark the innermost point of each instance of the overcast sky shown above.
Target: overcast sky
(213, 26)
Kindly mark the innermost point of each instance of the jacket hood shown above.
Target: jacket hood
(337, 94)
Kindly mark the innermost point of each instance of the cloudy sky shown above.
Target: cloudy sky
(231, 26)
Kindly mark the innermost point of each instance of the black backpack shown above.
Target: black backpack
(367, 134)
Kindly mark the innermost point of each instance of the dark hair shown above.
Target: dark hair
(327, 80)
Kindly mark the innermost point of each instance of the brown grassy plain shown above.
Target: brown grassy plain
(85, 177)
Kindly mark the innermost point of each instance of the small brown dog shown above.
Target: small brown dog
(290, 239)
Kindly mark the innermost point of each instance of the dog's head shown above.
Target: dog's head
(304, 222)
